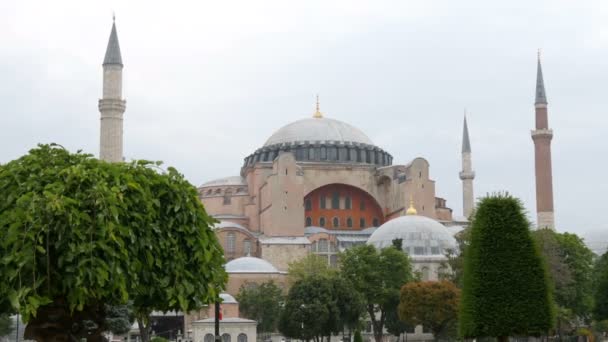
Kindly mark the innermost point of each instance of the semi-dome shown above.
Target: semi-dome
(250, 265)
(318, 130)
(422, 236)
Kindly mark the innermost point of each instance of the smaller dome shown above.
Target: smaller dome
(226, 181)
(250, 265)
(422, 236)
(227, 299)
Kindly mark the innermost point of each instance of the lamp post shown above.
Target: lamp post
(217, 321)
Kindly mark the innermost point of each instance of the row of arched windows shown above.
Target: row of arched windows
(335, 202)
(221, 191)
(335, 222)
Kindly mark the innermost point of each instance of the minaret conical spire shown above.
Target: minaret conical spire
(541, 96)
(112, 106)
(467, 174)
(113, 50)
(466, 143)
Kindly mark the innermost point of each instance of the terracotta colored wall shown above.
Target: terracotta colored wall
(372, 209)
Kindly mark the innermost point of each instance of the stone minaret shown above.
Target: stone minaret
(542, 156)
(111, 106)
(467, 174)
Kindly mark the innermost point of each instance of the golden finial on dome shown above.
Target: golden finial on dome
(318, 114)
(411, 210)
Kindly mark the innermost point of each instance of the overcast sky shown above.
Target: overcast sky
(207, 82)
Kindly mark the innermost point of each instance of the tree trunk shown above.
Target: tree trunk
(144, 330)
(502, 338)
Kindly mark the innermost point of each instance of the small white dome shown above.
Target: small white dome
(227, 298)
(250, 265)
(318, 129)
(422, 236)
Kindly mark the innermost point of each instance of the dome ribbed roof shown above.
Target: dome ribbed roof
(250, 265)
(318, 129)
(421, 236)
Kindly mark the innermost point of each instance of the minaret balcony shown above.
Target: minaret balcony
(112, 105)
(542, 134)
(467, 175)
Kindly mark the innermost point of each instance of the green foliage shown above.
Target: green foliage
(262, 304)
(358, 337)
(600, 311)
(506, 290)
(119, 318)
(158, 339)
(311, 265)
(77, 233)
(432, 304)
(318, 306)
(570, 265)
(307, 310)
(452, 269)
(377, 275)
(6, 325)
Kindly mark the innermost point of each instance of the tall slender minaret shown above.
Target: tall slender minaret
(467, 174)
(111, 105)
(542, 136)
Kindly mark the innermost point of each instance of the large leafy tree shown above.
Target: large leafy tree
(452, 269)
(77, 233)
(432, 304)
(506, 290)
(308, 309)
(320, 305)
(377, 275)
(263, 304)
(570, 265)
(600, 310)
(311, 265)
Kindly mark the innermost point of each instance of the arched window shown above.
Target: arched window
(323, 246)
(209, 338)
(336, 222)
(308, 204)
(322, 222)
(308, 221)
(228, 196)
(230, 243)
(247, 247)
(241, 338)
(347, 202)
(349, 222)
(335, 200)
(226, 337)
(376, 222)
(362, 223)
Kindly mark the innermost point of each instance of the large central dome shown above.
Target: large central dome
(318, 130)
(320, 140)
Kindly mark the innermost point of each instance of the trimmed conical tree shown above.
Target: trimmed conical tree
(506, 289)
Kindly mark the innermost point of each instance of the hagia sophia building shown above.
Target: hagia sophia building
(320, 186)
